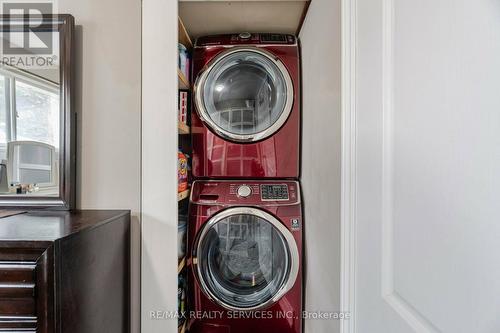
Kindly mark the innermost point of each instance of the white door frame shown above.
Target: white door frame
(348, 172)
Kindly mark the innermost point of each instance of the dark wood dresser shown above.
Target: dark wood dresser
(65, 272)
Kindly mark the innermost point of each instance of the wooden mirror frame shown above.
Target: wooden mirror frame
(64, 24)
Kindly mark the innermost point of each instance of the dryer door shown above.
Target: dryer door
(244, 95)
(246, 259)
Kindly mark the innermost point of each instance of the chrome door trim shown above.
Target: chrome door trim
(202, 111)
(287, 235)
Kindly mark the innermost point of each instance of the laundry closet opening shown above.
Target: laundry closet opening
(258, 164)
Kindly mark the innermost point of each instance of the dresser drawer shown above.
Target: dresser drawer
(17, 324)
(18, 308)
(17, 272)
(22, 288)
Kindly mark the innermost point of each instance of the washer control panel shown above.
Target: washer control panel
(268, 193)
(274, 192)
(244, 191)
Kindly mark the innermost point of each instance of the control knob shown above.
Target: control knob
(245, 35)
(244, 191)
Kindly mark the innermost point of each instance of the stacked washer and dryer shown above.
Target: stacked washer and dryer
(245, 215)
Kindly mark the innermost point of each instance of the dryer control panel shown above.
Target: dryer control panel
(246, 192)
(246, 38)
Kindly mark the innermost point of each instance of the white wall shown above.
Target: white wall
(159, 164)
(320, 38)
(108, 101)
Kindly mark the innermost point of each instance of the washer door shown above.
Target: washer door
(245, 95)
(246, 259)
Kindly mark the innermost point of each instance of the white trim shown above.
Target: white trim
(159, 164)
(348, 169)
(387, 148)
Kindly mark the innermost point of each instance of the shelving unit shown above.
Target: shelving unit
(182, 329)
(181, 265)
(184, 144)
(183, 82)
(183, 195)
(183, 129)
(212, 17)
(184, 36)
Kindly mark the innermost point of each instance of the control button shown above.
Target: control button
(245, 35)
(244, 191)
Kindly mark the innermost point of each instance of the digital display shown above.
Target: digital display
(275, 38)
(274, 192)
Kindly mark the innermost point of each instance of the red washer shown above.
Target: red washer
(245, 257)
(246, 107)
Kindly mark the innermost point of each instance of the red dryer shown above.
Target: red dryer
(245, 256)
(246, 103)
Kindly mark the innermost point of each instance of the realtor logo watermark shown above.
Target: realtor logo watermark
(266, 314)
(29, 40)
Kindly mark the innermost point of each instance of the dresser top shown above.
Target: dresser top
(53, 225)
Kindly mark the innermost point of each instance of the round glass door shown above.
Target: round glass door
(246, 259)
(244, 95)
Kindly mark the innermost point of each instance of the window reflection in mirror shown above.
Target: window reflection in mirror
(30, 121)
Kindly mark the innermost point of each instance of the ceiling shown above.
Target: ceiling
(216, 16)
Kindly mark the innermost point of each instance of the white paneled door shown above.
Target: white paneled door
(422, 148)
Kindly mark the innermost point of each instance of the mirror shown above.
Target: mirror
(37, 155)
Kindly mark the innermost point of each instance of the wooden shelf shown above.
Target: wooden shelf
(184, 36)
(183, 82)
(183, 128)
(183, 195)
(181, 265)
(203, 18)
(182, 329)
